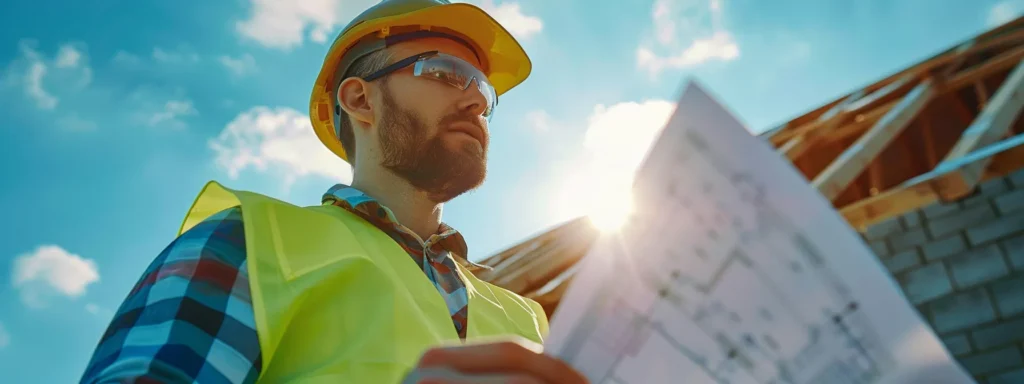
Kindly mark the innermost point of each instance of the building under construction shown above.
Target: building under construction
(928, 164)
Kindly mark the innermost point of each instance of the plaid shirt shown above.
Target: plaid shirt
(190, 317)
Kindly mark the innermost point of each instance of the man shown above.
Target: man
(371, 286)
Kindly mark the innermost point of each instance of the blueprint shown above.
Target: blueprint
(734, 270)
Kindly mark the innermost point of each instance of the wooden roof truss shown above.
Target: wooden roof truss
(929, 133)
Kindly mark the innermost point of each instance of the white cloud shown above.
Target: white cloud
(285, 24)
(279, 138)
(179, 56)
(126, 58)
(157, 106)
(73, 122)
(241, 66)
(1004, 12)
(539, 121)
(34, 86)
(625, 130)
(171, 113)
(690, 31)
(282, 23)
(33, 71)
(5, 337)
(96, 310)
(616, 141)
(68, 57)
(51, 270)
(510, 16)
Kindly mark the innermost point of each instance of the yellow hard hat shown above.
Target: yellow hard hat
(505, 62)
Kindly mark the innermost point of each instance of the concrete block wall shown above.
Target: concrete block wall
(961, 265)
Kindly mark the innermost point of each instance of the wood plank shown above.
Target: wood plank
(541, 267)
(980, 44)
(1005, 156)
(799, 145)
(1002, 62)
(981, 93)
(962, 53)
(992, 124)
(960, 80)
(844, 169)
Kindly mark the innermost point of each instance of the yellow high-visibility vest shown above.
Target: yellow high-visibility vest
(336, 300)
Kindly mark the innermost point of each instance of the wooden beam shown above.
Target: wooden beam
(844, 169)
(796, 146)
(928, 136)
(992, 124)
(988, 68)
(980, 44)
(981, 93)
(961, 54)
(540, 267)
(1005, 156)
(962, 79)
(812, 134)
(860, 123)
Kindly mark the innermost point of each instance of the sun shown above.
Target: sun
(610, 208)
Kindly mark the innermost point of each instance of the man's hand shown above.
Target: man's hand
(503, 362)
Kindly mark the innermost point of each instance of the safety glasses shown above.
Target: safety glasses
(448, 69)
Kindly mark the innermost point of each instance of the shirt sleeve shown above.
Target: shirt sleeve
(189, 318)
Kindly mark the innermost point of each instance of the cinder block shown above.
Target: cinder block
(902, 261)
(1010, 202)
(944, 247)
(957, 344)
(1007, 332)
(1009, 296)
(994, 187)
(995, 229)
(912, 220)
(880, 247)
(926, 283)
(940, 209)
(962, 310)
(1017, 178)
(961, 220)
(1014, 248)
(985, 191)
(1012, 377)
(907, 240)
(978, 266)
(883, 229)
(995, 361)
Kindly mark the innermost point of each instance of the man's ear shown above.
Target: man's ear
(354, 98)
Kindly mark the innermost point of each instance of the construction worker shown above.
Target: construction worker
(370, 286)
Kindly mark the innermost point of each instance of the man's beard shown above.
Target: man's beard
(425, 162)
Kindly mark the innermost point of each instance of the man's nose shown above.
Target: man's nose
(473, 101)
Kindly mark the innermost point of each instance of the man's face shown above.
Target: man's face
(433, 134)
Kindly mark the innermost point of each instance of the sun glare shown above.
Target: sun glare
(610, 208)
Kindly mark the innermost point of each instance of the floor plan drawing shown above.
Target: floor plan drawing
(720, 280)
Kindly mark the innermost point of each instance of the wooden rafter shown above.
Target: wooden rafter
(946, 62)
(921, 191)
(992, 124)
(796, 146)
(838, 175)
(967, 85)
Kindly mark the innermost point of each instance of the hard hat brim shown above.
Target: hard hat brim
(507, 62)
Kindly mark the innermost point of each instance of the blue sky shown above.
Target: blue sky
(116, 112)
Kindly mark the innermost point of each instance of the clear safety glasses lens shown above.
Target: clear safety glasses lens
(459, 74)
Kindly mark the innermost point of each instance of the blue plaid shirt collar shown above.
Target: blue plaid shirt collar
(360, 202)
